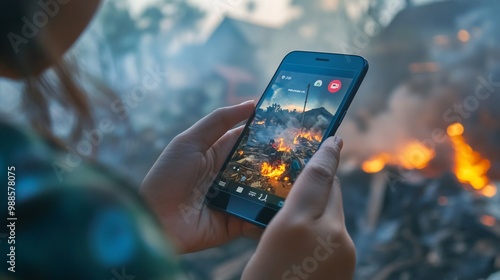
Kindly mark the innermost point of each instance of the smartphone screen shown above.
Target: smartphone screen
(304, 103)
(294, 115)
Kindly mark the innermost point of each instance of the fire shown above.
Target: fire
(240, 152)
(281, 146)
(272, 171)
(414, 155)
(470, 166)
(489, 191)
(306, 135)
(261, 122)
(376, 163)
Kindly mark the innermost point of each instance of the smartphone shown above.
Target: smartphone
(303, 104)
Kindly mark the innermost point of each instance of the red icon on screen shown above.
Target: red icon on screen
(334, 86)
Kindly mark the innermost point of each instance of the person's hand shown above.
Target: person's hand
(176, 185)
(307, 239)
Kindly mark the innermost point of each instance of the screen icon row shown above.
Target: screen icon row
(333, 87)
(260, 196)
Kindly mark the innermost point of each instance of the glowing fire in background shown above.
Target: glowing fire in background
(272, 171)
(412, 156)
(470, 167)
(376, 163)
(261, 122)
(416, 156)
(306, 135)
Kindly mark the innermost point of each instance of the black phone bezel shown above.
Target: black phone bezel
(261, 214)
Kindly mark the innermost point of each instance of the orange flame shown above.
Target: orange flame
(470, 166)
(412, 156)
(261, 122)
(281, 146)
(271, 171)
(306, 135)
(416, 156)
(376, 163)
(489, 191)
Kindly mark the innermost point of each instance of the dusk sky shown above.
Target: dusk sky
(318, 96)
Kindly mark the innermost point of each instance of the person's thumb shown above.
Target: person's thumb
(311, 192)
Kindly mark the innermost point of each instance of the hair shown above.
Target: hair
(41, 90)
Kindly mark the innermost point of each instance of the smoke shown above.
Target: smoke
(267, 132)
(425, 102)
(409, 115)
(320, 124)
(287, 126)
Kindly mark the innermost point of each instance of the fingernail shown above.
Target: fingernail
(337, 140)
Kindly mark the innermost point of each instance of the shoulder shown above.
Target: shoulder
(73, 215)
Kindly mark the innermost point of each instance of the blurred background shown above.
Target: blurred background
(421, 160)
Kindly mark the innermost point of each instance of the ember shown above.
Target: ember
(488, 220)
(489, 191)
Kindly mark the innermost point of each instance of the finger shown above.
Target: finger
(334, 209)
(224, 145)
(311, 191)
(208, 130)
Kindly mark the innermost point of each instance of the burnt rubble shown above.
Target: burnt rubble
(434, 229)
(255, 164)
(431, 229)
(273, 152)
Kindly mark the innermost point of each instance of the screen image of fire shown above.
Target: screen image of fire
(277, 145)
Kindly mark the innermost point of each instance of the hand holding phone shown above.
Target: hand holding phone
(176, 185)
(175, 188)
(304, 103)
(307, 239)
